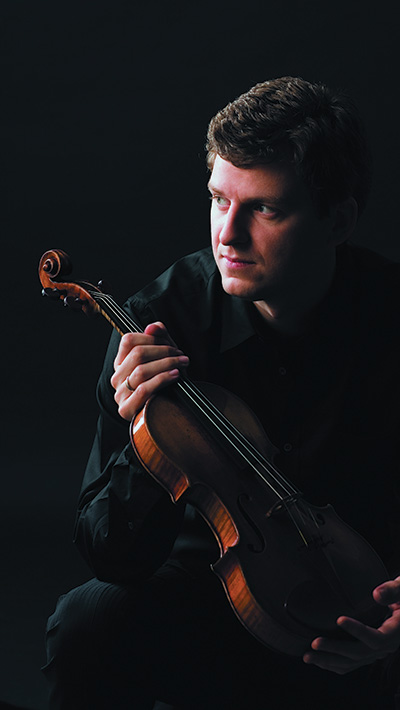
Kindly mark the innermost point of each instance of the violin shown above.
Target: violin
(288, 568)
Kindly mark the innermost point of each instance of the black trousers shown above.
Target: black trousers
(175, 639)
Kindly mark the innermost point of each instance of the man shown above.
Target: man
(299, 324)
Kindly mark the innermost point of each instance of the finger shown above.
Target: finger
(144, 361)
(154, 334)
(366, 634)
(386, 638)
(134, 353)
(349, 649)
(333, 663)
(388, 593)
(142, 354)
(130, 404)
(159, 331)
(150, 369)
(128, 342)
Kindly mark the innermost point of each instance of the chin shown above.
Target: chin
(241, 290)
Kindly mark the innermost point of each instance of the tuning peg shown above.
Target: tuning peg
(74, 303)
(54, 293)
(105, 287)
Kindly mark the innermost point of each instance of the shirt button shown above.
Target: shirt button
(287, 447)
(282, 370)
(130, 525)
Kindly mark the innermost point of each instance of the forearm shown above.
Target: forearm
(126, 523)
(126, 529)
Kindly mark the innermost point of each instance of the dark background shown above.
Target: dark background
(104, 113)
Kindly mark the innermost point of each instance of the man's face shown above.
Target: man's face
(268, 241)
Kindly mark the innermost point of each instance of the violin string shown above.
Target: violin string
(220, 426)
(126, 321)
(247, 444)
(213, 414)
(290, 490)
(203, 404)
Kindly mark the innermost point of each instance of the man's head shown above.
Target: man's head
(306, 124)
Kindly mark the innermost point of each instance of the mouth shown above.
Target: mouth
(236, 263)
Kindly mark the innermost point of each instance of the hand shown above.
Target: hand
(368, 644)
(147, 362)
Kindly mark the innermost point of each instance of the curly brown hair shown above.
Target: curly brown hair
(315, 128)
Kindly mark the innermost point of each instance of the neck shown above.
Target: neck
(295, 313)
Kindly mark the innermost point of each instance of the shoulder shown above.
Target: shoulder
(375, 292)
(188, 277)
(184, 297)
(369, 266)
(373, 386)
(375, 280)
(187, 298)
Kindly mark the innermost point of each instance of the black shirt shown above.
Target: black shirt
(328, 400)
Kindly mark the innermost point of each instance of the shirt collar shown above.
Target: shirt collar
(236, 323)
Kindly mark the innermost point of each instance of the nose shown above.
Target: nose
(233, 227)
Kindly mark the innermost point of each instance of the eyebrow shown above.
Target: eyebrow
(264, 199)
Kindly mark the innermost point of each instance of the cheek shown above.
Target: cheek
(273, 247)
(214, 231)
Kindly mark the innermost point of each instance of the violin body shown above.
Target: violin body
(284, 590)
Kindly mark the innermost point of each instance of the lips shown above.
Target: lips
(235, 262)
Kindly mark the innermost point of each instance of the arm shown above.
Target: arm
(126, 523)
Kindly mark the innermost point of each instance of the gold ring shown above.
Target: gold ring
(127, 385)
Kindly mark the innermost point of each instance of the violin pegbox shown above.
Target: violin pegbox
(54, 266)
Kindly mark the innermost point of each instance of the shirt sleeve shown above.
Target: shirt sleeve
(126, 522)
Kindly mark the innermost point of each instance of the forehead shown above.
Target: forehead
(276, 182)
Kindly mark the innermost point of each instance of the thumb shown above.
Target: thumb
(388, 592)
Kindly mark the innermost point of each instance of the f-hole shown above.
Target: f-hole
(243, 499)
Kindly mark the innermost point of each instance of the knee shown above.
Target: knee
(84, 643)
(67, 629)
(83, 622)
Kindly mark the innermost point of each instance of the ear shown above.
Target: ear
(344, 219)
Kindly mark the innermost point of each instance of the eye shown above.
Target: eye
(219, 200)
(264, 209)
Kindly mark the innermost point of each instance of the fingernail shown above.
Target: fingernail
(183, 359)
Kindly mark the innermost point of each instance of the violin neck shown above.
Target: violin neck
(119, 319)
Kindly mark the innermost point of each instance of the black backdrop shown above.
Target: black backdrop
(103, 120)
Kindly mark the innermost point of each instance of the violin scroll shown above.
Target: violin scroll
(54, 266)
(55, 263)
